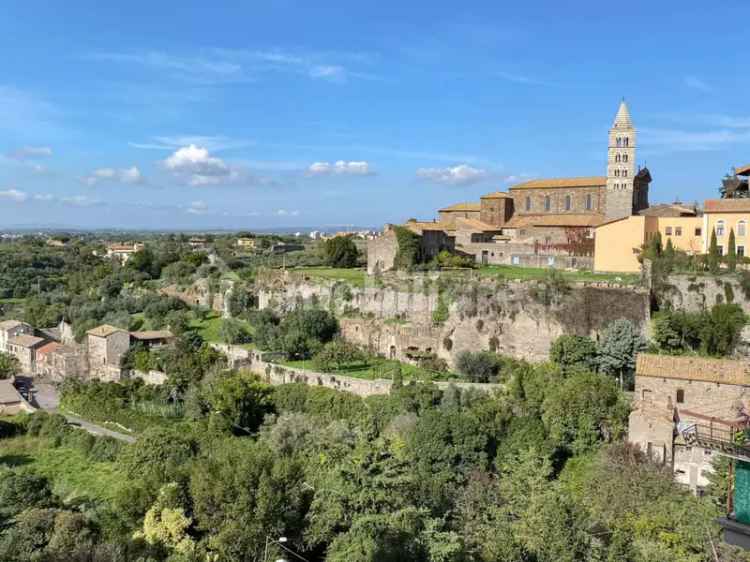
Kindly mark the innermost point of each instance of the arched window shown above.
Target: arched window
(567, 202)
(742, 228)
(619, 141)
(617, 173)
(719, 228)
(589, 202)
(627, 141)
(547, 203)
(617, 158)
(624, 173)
(624, 157)
(528, 203)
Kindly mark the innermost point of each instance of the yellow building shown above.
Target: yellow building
(723, 216)
(618, 243)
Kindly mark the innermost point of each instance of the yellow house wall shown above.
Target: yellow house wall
(687, 241)
(730, 222)
(616, 244)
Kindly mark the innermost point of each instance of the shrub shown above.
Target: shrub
(409, 251)
(338, 354)
(479, 366)
(340, 251)
(574, 352)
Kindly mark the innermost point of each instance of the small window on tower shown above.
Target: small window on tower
(567, 203)
(547, 203)
(627, 141)
(617, 158)
(619, 141)
(588, 202)
(624, 157)
(528, 203)
(624, 173)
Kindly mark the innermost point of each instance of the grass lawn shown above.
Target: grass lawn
(538, 273)
(209, 328)
(72, 474)
(378, 368)
(353, 276)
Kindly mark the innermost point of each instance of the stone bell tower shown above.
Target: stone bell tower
(621, 170)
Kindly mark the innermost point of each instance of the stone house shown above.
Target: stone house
(11, 402)
(123, 252)
(56, 361)
(10, 329)
(24, 347)
(106, 345)
(152, 338)
(673, 395)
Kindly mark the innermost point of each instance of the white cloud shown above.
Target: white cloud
(130, 176)
(80, 201)
(198, 208)
(340, 167)
(14, 195)
(44, 197)
(463, 174)
(197, 167)
(332, 72)
(285, 213)
(675, 140)
(209, 142)
(30, 153)
(697, 84)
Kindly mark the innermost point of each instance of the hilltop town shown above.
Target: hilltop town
(564, 322)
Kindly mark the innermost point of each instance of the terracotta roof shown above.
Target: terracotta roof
(8, 324)
(743, 170)
(25, 340)
(520, 221)
(474, 224)
(727, 371)
(152, 335)
(668, 210)
(497, 195)
(419, 226)
(104, 331)
(462, 207)
(726, 205)
(593, 181)
(48, 348)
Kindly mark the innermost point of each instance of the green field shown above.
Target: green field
(72, 474)
(539, 273)
(378, 368)
(355, 277)
(209, 328)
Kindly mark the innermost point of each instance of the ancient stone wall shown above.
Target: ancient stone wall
(700, 292)
(202, 293)
(556, 196)
(381, 252)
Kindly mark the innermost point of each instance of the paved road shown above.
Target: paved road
(45, 397)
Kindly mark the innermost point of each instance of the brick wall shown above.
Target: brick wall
(578, 197)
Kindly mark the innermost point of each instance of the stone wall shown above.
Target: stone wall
(202, 293)
(381, 252)
(699, 292)
(150, 377)
(557, 200)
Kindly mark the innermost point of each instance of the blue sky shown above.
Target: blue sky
(253, 115)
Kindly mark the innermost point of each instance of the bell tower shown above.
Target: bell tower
(621, 170)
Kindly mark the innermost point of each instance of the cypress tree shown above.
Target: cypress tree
(732, 252)
(713, 254)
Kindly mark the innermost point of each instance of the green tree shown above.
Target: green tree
(574, 352)
(340, 251)
(713, 254)
(410, 252)
(22, 490)
(478, 366)
(619, 345)
(238, 401)
(338, 354)
(9, 365)
(731, 252)
(233, 332)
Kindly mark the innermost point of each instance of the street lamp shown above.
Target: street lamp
(281, 541)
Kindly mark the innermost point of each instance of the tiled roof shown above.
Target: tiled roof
(419, 226)
(104, 331)
(48, 348)
(668, 210)
(497, 195)
(8, 324)
(520, 221)
(726, 205)
(727, 371)
(25, 340)
(152, 335)
(743, 170)
(8, 393)
(463, 207)
(473, 224)
(593, 181)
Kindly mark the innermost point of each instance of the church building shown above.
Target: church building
(541, 222)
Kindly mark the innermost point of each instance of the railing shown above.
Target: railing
(730, 441)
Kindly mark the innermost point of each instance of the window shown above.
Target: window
(720, 228)
(627, 141)
(741, 228)
(551, 261)
(567, 203)
(589, 202)
(617, 173)
(624, 173)
(678, 231)
(617, 158)
(698, 231)
(624, 157)
(547, 203)
(721, 250)
(619, 141)
(668, 231)
(680, 396)
(740, 251)
(515, 260)
(528, 203)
